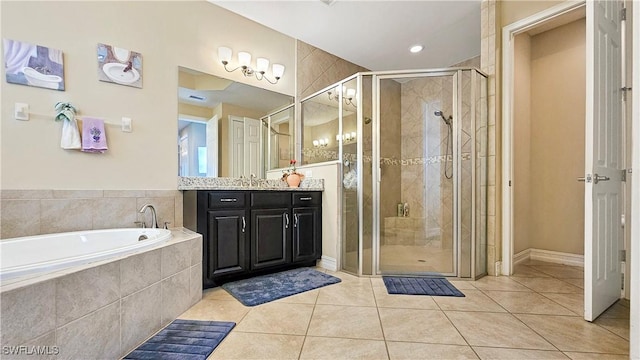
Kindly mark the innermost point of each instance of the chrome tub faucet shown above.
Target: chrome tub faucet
(154, 218)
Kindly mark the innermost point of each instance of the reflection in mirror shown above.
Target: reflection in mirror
(278, 129)
(321, 133)
(219, 126)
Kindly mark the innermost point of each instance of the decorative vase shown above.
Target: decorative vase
(294, 180)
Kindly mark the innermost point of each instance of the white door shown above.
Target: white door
(603, 160)
(212, 146)
(252, 148)
(236, 156)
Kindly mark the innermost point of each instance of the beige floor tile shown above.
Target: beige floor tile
(474, 300)
(527, 303)
(427, 326)
(573, 302)
(463, 284)
(496, 330)
(336, 348)
(268, 318)
(575, 282)
(488, 353)
(307, 297)
(239, 345)
(617, 311)
(353, 294)
(219, 310)
(595, 356)
(386, 300)
(574, 334)
(527, 271)
(561, 271)
(345, 321)
(412, 351)
(377, 282)
(548, 285)
(217, 293)
(619, 327)
(502, 283)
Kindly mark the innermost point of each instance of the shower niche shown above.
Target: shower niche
(414, 189)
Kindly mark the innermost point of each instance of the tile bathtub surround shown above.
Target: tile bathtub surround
(35, 212)
(105, 309)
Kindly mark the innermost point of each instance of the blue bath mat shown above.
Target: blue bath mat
(420, 286)
(184, 340)
(265, 288)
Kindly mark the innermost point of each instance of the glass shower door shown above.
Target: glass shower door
(417, 147)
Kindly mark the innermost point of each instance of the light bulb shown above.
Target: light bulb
(315, 143)
(244, 58)
(262, 64)
(224, 54)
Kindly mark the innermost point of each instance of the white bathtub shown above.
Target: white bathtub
(45, 253)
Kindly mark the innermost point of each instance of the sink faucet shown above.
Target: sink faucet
(154, 218)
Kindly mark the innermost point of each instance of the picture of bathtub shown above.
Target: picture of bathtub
(119, 66)
(33, 65)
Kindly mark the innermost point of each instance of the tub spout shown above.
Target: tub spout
(154, 218)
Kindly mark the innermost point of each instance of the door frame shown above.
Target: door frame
(634, 346)
(508, 34)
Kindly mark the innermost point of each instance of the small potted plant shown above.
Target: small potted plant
(291, 176)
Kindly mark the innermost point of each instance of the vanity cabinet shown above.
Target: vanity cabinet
(253, 232)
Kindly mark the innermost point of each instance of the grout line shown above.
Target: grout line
(384, 337)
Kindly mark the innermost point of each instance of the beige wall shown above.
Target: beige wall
(557, 138)
(194, 110)
(521, 138)
(514, 10)
(168, 35)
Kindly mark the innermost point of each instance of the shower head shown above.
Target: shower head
(447, 121)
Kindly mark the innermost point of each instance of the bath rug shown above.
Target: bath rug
(184, 340)
(420, 286)
(265, 288)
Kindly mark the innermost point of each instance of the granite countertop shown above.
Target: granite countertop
(221, 183)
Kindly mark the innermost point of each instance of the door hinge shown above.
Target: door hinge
(623, 14)
(623, 255)
(624, 91)
(623, 176)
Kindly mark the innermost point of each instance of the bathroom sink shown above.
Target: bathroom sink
(115, 72)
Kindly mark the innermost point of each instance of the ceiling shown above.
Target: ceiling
(375, 34)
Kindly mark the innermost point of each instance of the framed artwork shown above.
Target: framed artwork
(119, 66)
(33, 65)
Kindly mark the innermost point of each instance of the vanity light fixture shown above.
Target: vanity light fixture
(321, 142)
(244, 64)
(347, 137)
(347, 97)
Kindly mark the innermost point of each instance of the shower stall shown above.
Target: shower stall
(413, 148)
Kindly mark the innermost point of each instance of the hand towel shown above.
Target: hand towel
(70, 139)
(94, 138)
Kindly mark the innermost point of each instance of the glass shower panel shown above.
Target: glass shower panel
(417, 173)
(281, 138)
(320, 124)
(482, 143)
(350, 138)
(465, 120)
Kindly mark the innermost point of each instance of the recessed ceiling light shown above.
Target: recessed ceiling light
(416, 48)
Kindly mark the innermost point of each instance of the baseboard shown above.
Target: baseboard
(555, 257)
(328, 263)
(522, 256)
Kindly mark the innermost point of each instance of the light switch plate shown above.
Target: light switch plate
(126, 124)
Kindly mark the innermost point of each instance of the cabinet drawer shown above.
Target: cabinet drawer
(270, 199)
(307, 199)
(226, 199)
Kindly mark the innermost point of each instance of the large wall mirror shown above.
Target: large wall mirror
(230, 129)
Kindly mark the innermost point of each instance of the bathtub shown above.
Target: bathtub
(45, 253)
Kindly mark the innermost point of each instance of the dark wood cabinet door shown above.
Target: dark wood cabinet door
(306, 234)
(227, 234)
(270, 237)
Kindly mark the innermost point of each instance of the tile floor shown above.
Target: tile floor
(535, 314)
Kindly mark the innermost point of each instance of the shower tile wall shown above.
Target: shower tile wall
(35, 212)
